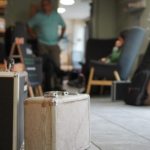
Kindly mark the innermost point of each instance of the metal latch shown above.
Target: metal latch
(10, 65)
(73, 93)
(64, 93)
(54, 94)
(51, 94)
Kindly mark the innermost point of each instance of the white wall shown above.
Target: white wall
(79, 36)
(75, 32)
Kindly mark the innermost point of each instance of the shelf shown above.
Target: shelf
(2, 12)
(2, 7)
(133, 10)
(134, 6)
(4, 3)
(128, 1)
(2, 33)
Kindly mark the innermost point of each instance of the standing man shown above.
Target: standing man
(45, 24)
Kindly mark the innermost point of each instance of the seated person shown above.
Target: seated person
(112, 58)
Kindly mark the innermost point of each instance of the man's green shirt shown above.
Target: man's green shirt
(46, 27)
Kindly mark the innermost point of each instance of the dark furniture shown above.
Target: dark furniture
(122, 69)
(145, 63)
(98, 48)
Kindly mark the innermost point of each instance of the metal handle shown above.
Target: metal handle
(65, 93)
(50, 94)
(54, 94)
(73, 93)
(11, 63)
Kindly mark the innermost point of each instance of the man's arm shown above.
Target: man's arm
(62, 33)
(30, 31)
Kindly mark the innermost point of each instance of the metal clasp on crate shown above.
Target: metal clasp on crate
(73, 93)
(10, 65)
(64, 93)
(54, 94)
(51, 94)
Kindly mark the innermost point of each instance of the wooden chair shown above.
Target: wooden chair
(103, 82)
(122, 69)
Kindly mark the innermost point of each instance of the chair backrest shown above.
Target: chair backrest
(130, 50)
(98, 48)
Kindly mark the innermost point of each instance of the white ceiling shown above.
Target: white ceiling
(79, 10)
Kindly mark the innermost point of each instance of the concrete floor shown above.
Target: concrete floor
(116, 126)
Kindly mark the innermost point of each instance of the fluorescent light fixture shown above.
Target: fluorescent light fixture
(67, 2)
(61, 10)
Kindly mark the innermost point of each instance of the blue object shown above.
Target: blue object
(130, 51)
(127, 58)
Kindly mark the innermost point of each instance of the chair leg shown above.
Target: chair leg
(89, 82)
(116, 74)
(101, 90)
(40, 90)
(36, 91)
(30, 91)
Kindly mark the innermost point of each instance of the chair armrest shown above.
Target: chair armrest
(104, 70)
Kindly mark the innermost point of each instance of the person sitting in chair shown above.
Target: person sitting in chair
(112, 58)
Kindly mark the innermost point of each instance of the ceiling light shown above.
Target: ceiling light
(67, 2)
(61, 10)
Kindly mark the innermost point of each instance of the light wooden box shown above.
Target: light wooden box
(61, 123)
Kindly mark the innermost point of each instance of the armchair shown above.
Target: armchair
(122, 69)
